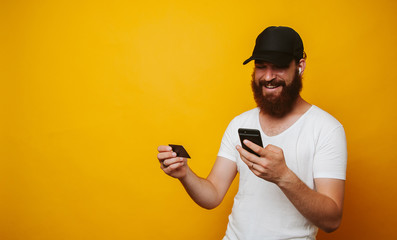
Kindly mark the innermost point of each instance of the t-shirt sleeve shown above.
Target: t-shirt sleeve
(228, 147)
(331, 156)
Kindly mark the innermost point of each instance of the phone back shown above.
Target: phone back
(252, 135)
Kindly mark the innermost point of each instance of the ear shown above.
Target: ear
(301, 66)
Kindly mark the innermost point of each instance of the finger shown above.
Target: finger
(172, 167)
(176, 166)
(254, 166)
(273, 148)
(246, 161)
(164, 148)
(256, 172)
(170, 161)
(250, 159)
(165, 155)
(247, 155)
(258, 168)
(165, 164)
(256, 148)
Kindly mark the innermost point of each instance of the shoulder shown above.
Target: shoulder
(246, 119)
(318, 116)
(323, 125)
(250, 115)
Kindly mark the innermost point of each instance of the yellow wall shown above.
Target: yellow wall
(90, 88)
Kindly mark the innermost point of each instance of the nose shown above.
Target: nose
(268, 75)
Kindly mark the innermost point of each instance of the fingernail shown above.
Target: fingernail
(174, 154)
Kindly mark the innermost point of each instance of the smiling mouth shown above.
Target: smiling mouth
(271, 84)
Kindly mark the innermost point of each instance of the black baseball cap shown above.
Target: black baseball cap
(277, 45)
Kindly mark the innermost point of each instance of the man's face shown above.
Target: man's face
(276, 88)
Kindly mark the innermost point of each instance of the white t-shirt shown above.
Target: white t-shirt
(314, 147)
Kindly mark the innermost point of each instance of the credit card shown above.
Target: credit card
(179, 150)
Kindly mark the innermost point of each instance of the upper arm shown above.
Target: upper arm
(332, 188)
(222, 174)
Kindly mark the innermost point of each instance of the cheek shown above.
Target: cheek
(257, 76)
(287, 77)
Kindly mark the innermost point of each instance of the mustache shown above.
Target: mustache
(273, 82)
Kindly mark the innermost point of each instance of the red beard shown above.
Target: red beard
(280, 106)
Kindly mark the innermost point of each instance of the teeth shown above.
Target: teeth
(271, 87)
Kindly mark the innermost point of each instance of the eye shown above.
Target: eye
(280, 67)
(260, 66)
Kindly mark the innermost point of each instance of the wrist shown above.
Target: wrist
(184, 177)
(287, 179)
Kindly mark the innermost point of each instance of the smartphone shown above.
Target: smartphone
(251, 134)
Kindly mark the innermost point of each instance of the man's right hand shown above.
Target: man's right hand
(171, 164)
(209, 192)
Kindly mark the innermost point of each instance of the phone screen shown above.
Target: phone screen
(251, 134)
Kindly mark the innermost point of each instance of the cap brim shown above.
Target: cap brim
(277, 58)
(248, 60)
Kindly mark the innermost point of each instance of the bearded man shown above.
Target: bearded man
(295, 183)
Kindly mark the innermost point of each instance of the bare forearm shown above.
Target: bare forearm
(201, 190)
(318, 208)
(322, 207)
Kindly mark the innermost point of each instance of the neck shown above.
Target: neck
(300, 106)
(273, 126)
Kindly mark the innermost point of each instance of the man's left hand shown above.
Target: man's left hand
(270, 165)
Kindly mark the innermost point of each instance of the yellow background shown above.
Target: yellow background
(89, 89)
